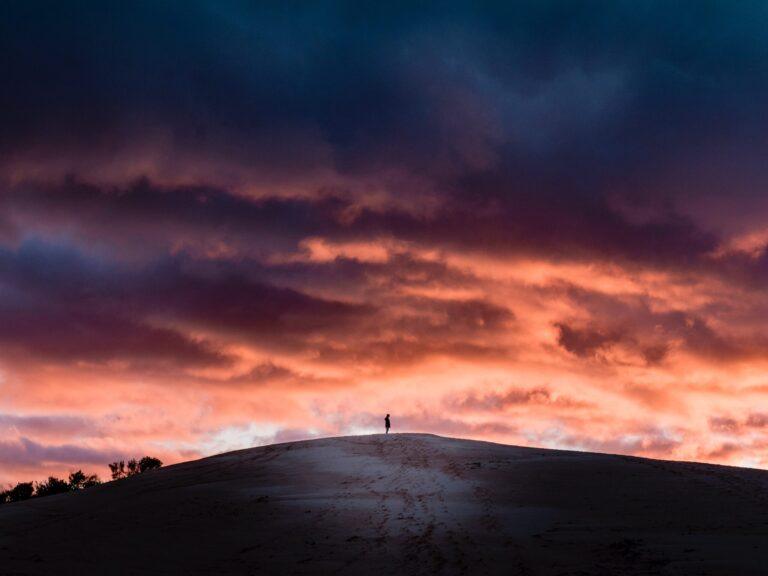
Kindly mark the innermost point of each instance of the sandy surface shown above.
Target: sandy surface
(403, 504)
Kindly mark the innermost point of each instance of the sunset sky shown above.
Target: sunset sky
(539, 223)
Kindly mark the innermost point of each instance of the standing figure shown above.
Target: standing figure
(386, 423)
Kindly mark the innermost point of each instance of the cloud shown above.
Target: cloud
(585, 342)
(475, 216)
(723, 424)
(62, 306)
(655, 353)
(46, 424)
(232, 214)
(292, 435)
(509, 398)
(81, 336)
(24, 451)
(75, 309)
(726, 450)
(229, 300)
(271, 375)
(68, 305)
(757, 420)
(410, 82)
(651, 329)
(651, 442)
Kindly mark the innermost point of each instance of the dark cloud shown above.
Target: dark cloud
(348, 275)
(531, 129)
(48, 424)
(725, 450)
(450, 317)
(757, 420)
(585, 342)
(511, 397)
(412, 329)
(24, 451)
(700, 337)
(495, 214)
(655, 353)
(269, 374)
(71, 336)
(229, 300)
(141, 218)
(654, 442)
(63, 305)
(393, 85)
(630, 323)
(401, 351)
(66, 305)
(724, 424)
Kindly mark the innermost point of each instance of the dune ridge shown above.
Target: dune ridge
(401, 504)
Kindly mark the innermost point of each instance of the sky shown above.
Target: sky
(227, 224)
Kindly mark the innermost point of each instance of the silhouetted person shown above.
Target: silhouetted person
(386, 423)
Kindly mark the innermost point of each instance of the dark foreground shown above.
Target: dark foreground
(403, 504)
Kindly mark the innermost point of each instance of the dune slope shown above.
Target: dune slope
(401, 504)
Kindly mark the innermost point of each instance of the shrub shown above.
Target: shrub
(79, 480)
(22, 491)
(149, 463)
(118, 470)
(51, 486)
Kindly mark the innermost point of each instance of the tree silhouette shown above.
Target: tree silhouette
(22, 491)
(51, 486)
(149, 463)
(79, 480)
(118, 470)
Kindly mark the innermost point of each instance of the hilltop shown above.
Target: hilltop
(400, 504)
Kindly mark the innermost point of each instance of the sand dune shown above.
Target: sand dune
(402, 504)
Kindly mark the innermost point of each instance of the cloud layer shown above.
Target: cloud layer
(540, 222)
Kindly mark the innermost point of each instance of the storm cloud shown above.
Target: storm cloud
(286, 219)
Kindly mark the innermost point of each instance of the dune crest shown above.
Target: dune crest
(401, 504)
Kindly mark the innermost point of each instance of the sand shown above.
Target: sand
(401, 504)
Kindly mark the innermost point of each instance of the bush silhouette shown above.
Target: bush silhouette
(51, 486)
(22, 491)
(149, 463)
(79, 480)
(120, 469)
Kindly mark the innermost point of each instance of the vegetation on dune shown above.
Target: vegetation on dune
(21, 491)
(51, 486)
(122, 470)
(77, 480)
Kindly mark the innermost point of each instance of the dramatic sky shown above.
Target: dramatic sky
(226, 224)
